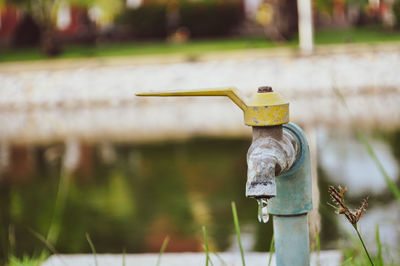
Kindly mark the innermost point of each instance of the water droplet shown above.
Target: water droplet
(263, 215)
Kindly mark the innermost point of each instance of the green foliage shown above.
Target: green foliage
(146, 21)
(201, 18)
(324, 6)
(396, 11)
(327, 6)
(27, 260)
(210, 17)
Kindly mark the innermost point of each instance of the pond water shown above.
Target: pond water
(129, 197)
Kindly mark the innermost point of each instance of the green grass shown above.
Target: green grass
(162, 249)
(271, 250)
(369, 34)
(194, 48)
(353, 252)
(27, 260)
(92, 248)
(237, 229)
(379, 244)
(190, 49)
(207, 250)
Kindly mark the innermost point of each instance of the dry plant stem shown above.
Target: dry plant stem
(353, 217)
(362, 242)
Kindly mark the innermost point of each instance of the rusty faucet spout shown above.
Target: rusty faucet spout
(272, 152)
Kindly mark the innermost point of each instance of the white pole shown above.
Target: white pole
(306, 38)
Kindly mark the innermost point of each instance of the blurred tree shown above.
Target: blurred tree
(44, 14)
(279, 18)
(26, 33)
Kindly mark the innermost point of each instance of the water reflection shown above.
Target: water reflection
(129, 197)
(347, 162)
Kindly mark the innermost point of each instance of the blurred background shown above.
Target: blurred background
(79, 153)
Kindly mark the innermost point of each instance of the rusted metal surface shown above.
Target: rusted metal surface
(263, 89)
(272, 152)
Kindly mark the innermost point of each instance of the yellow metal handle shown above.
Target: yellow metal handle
(229, 92)
(264, 109)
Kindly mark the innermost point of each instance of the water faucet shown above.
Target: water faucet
(279, 172)
(272, 152)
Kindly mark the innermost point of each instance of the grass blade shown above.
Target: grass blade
(60, 203)
(348, 261)
(50, 247)
(318, 247)
(43, 240)
(124, 257)
(221, 260)
(92, 248)
(237, 228)
(362, 242)
(26, 260)
(392, 186)
(203, 228)
(361, 137)
(379, 244)
(162, 249)
(271, 250)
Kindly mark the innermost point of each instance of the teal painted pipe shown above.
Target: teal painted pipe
(291, 240)
(290, 206)
(293, 188)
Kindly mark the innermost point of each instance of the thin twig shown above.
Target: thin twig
(362, 242)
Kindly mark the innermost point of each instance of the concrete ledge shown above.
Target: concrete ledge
(326, 258)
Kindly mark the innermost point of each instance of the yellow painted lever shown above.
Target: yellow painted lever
(264, 109)
(229, 92)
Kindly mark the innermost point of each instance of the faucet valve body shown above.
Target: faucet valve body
(279, 169)
(279, 177)
(293, 187)
(272, 152)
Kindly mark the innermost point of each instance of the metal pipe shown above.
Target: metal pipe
(279, 177)
(291, 240)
